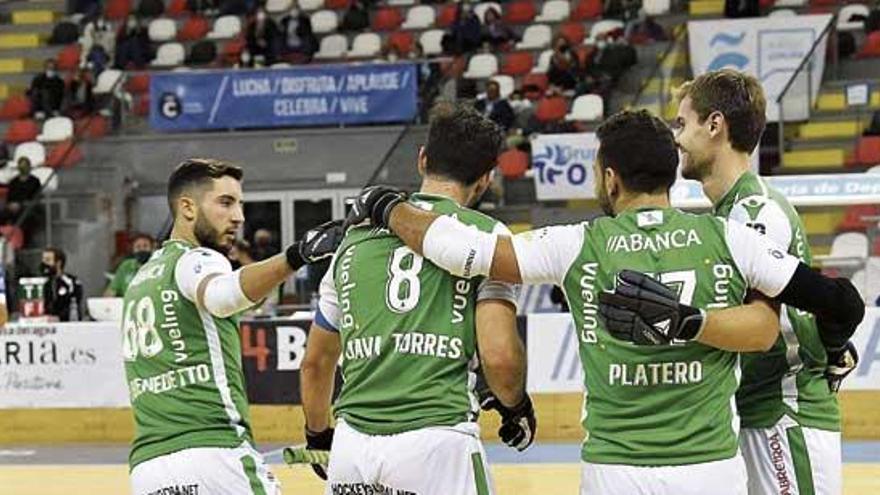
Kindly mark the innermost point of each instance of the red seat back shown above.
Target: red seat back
(513, 163)
(16, 107)
(195, 28)
(402, 40)
(138, 83)
(867, 151)
(64, 154)
(551, 109)
(117, 10)
(446, 16)
(871, 47)
(336, 4)
(387, 19)
(574, 32)
(519, 12)
(534, 85)
(176, 8)
(68, 57)
(852, 221)
(22, 131)
(13, 235)
(517, 63)
(587, 9)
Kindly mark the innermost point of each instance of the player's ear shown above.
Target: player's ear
(716, 122)
(422, 161)
(186, 208)
(610, 180)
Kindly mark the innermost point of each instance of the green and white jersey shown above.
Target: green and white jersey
(787, 379)
(655, 405)
(183, 365)
(407, 329)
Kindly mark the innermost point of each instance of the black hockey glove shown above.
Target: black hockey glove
(317, 244)
(841, 363)
(374, 203)
(518, 423)
(321, 440)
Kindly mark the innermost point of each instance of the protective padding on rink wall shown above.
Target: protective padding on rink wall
(558, 420)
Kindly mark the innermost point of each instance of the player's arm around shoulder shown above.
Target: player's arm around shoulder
(765, 216)
(206, 279)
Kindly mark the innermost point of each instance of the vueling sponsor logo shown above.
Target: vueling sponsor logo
(655, 242)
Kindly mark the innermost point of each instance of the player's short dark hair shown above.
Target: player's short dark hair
(462, 144)
(640, 148)
(736, 95)
(58, 254)
(198, 172)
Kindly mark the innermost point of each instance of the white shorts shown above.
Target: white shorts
(725, 477)
(205, 471)
(792, 460)
(428, 461)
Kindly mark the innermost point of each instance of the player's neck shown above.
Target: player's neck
(445, 188)
(638, 201)
(727, 169)
(180, 233)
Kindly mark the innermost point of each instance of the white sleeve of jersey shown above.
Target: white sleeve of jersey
(766, 216)
(545, 255)
(329, 314)
(765, 266)
(493, 289)
(194, 266)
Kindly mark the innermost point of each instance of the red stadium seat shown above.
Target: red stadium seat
(194, 29)
(13, 235)
(446, 16)
(16, 107)
(852, 221)
(826, 3)
(117, 10)
(92, 127)
(22, 131)
(387, 19)
(551, 109)
(534, 85)
(176, 8)
(402, 40)
(142, 105)
(520, 12)
(517, 63)
(586, 9)
(574, 32)
(766, 4)
(867, 151)
(68, 57)
(871, 47)
(513, 163)
(232, 50)
(336, 4)
(64, 154)
(138, 83)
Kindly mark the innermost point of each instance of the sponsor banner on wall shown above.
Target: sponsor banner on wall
(770, 50)
(563, 165)
(552, 350)
(302, 96)
(800, 190)
(62, 365)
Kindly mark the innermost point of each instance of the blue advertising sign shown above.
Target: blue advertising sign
(315, 95)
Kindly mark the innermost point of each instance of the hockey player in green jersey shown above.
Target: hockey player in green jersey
(658, 419)
(181, 346)
(790, 435)
(410, 336)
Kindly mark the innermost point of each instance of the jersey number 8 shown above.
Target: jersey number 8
(139, 332)
(403, 288)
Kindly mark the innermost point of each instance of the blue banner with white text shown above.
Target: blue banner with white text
(289, 97)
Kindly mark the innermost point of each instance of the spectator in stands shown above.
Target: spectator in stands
(23, 188)
(80, 99)
(263, 39)
(88, 8)
(522, 108)
(496, 108)
(132, 45)
(300, 42)
(245, 60)
(742, 8)
(465, 34)
(645, 30)
(264, 244)
(240, 254)
(47, 91)
(496, 32)
(208, 7)
(236, 7)
(356, 18)
(98, 43)
(63, 292)
(142, 246)
(564, 70)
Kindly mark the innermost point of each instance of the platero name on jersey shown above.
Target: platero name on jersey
(652, 374)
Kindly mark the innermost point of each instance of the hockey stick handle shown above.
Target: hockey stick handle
(302, 455)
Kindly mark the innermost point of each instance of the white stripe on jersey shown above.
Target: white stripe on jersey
(219, 369)
(471, 387)
(793, 358)
(735, 419)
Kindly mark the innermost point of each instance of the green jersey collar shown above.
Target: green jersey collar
(730, 195)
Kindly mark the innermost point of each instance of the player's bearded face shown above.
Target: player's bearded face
(219, 215)
(693, 143)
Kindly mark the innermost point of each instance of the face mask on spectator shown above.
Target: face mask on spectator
(50, 72)
(142, 256)
(47, 269)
